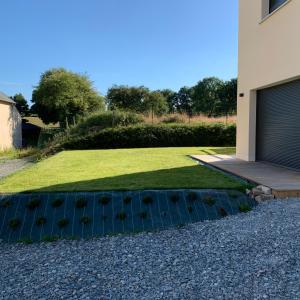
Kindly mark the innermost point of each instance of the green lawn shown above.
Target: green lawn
(126, 169)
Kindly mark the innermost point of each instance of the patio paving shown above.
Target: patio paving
(283, 182)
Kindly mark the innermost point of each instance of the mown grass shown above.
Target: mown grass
(125, 169)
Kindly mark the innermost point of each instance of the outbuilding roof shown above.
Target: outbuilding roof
(5, 98)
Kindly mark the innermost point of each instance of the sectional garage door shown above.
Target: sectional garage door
(278, 125)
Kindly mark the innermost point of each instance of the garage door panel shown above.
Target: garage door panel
(278, 125)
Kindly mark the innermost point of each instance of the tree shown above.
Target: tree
(62, 95)
(170, 97)
(183, 101)
(228, 95)
(21, 104)
(128, 98)
(206, 96)
(155, 103)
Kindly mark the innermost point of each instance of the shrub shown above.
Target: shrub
(174, 198)
(57, 202)
(63, 223)
(50, 238)
(85, 220)
(192, 196)
(101, 120)
(40, 221)
(173, 119)
(81, 203)
(26, 241)
(33, 203)
(127, 199)
(244, 207)
(209, 200)
(14, 223)
(147, 200)
(145, 136)
(121, 216)
(104, 200)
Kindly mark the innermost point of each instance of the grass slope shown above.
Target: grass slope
(125, 169)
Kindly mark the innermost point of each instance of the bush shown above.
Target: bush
(33, 203)
(145, 136)
(102, 120)
(173, 119)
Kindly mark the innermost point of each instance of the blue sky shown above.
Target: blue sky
(156, 43)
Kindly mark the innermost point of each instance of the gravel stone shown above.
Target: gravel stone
(246, 256)
(8, 167)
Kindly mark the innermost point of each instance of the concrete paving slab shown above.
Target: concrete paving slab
(283, 182)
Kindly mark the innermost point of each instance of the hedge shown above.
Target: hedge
(143, 136)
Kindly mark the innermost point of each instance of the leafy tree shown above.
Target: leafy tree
(170, 98)
(155, 103)
(207, 96)
(21, 104)
(183, 101)
(128, 98)
(62, 95)
(228, 96)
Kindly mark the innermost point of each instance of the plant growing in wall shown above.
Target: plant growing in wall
(33, 203)
(143, 215)
(192, 196)
(222, 211)
(85, 220)
(6, 203)
(209, 200)
(127, 200)
(244, 207)
(63, 223)
(190, 209)
(174, 198)
(57, 202)
(121, 216)
(14, 223)
(147, 200)
(104, 200)
(40, 221)
(81, 203)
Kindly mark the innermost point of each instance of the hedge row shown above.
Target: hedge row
(143, 136)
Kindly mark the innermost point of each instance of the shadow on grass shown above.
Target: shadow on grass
(196, 177)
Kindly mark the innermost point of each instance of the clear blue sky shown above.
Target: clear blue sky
(156, 43)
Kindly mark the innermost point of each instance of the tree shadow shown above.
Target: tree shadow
(196, 177)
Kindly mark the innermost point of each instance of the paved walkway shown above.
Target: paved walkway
(8, 167)
(284, 182)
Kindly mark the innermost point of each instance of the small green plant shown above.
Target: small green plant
(190, 209)
(121, 216)
(233, 194)
(174, 198)
(209, 200)
(63, 223)
(143, 215)
(127, 199)
(192, 196)
(179, 226)
(26, 241)
(81, 203)
(14, 223)
(85, 220)
(164, 213)
(57, 202)
(104, 200)
(147, 200)
(222, 212)
(40, 221)
(33, 203)
(50, 238)
(104, 218)
(6, 203)
(244, 207)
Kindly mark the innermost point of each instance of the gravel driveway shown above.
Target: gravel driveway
(10, 166)
(247, 256)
